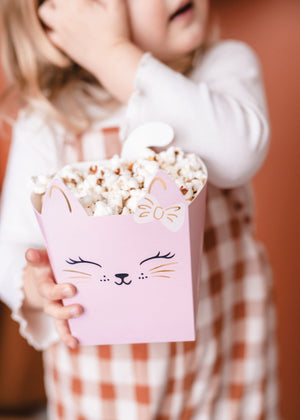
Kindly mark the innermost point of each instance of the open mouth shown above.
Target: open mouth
(183, 9)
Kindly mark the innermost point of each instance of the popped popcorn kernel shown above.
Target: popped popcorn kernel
(115, 186)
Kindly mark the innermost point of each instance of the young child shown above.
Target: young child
(81, 67)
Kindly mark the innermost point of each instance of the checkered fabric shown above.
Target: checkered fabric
(228, 373)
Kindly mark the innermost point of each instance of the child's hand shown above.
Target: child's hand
(42, 293)
(86, 30)
(95, 35)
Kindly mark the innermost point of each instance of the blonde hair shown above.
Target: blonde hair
(44, 78)
(40, 74)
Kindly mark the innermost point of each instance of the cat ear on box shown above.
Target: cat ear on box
(165, 189)
(59, 201)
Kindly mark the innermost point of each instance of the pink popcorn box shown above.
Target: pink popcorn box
(137, 276)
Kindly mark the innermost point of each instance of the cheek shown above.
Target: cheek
(146, 24)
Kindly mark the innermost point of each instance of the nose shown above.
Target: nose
(121, 276)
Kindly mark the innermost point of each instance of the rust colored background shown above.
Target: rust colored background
(272, 28)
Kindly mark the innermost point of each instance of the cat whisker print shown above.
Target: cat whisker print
(75, 274)
(157, 273)
(81, 282)
(79, 277)
(78, 272)
(162, 265)
(162, 271)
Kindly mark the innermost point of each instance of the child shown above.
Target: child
(82, 66)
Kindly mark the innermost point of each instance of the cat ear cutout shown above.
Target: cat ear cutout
(59, 201)
(165, 189)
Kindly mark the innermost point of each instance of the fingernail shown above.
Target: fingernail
(75, 311)
(67, 292)
(72, 344)
(32, 256)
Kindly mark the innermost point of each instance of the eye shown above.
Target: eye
(81, 261)
(166, 256)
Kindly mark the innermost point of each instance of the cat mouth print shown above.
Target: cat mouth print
(121, 277)
(84, 271)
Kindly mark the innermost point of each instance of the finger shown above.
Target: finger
(37, 256)
(63, 329)
(49, 290)
(46, 9)
(56, 310)
(54, 38)
(46, 12)
(119, 12)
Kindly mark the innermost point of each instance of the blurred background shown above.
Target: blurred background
(272, 28)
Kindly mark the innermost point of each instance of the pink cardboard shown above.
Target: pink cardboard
(137, 276)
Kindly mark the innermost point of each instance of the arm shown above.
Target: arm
(34, 151)
(219, 112)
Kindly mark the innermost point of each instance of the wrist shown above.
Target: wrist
(117, 72)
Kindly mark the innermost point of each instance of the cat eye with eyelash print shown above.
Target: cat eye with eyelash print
(163, 270)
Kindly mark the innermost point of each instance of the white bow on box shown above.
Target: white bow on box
(148, 210)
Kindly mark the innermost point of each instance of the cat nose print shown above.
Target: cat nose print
(122, 276)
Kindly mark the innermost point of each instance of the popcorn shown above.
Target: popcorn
(115, 186)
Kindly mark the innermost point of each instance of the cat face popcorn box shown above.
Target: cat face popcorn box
(137, 275)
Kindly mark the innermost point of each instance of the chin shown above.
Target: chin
(191, 40)
(181, 46)
(189, 47)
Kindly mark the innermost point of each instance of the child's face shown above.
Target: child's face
(156, 26)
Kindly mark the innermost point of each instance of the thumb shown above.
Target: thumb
(37, 256)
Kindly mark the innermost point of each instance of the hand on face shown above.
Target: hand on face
(42, 293)
(86, 30)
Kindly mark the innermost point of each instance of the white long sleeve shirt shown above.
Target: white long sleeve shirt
(218, 112)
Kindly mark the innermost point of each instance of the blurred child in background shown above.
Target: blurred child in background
(80, 66)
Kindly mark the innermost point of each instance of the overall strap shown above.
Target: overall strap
(112, 142)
